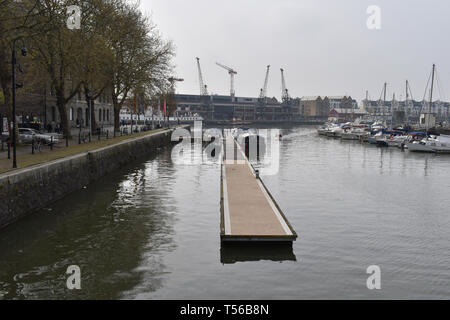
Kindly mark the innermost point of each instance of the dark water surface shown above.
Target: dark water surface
(151, 231)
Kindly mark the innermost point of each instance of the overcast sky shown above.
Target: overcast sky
(324, 46)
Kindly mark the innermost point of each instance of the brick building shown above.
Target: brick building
(39, 107)
(314, 106)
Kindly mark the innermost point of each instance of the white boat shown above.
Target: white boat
(212, 134)
(354, 134)
(391, 140)
(335, 132)
(431, 144)
(323, 130)
(373, 139)
(376, 126)
(419, 146)
(443, 144)
(326, 128)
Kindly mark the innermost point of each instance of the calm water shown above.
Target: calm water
(151, 231)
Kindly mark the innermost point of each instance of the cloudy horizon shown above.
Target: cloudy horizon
(324, 46)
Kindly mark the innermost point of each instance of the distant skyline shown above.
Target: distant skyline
(324, 46)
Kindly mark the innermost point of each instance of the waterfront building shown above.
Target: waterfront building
(342, 102)
(314, 106)
(427, 120)
(346, 115)
(227, 108)
(412, 108)
(37, 107)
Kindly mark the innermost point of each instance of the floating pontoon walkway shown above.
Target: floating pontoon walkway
(248, 211)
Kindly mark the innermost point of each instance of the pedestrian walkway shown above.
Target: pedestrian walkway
(25, 156)
(249, 212)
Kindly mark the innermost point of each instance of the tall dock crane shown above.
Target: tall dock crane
(232, 73)
(263, 94)
(203, 87)
(284, 91)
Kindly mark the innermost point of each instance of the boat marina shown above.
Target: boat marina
(420, 137)
(401, 138)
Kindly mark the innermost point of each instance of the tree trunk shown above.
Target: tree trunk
(65, 126)
(93, 122)
(116, 114)
(8, 113)
(8, 102)
(92, 111)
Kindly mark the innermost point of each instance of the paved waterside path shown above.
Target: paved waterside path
(26, 159)
(40, 183)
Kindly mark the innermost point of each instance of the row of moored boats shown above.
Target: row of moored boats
(375, 133)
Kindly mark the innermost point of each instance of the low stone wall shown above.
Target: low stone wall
(29, 189)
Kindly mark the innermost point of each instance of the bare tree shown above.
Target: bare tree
(141, 58)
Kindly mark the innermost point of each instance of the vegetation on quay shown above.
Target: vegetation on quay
(28, 160)
(116, 50)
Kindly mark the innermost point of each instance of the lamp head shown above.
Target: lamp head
(24, 51)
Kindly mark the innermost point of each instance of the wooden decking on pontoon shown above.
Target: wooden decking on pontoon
(248, 211)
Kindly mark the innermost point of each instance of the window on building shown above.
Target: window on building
(79, 116)
(107, 115)
(71, 114)
(99, 114)
(53, 116)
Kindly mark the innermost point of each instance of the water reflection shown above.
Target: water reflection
(231, 253)
(152, 230)
(107, 229)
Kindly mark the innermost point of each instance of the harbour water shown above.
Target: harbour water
(151, 230)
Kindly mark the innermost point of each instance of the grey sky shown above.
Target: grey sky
(324, 46)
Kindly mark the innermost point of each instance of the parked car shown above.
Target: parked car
(27, 135)
(5, 136)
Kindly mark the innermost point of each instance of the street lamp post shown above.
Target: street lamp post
(172, 81)
(88, 94)
(13, 62)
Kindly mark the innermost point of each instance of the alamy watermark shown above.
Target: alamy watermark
(374, 280)
(74, 12)
(74, 20)
(74, 280)
(374, 20)
(258, 146)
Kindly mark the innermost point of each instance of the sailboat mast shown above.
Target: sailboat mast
(384, 102)
(431, 91)
(427, 116)
(392, 110)
(406, 104)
